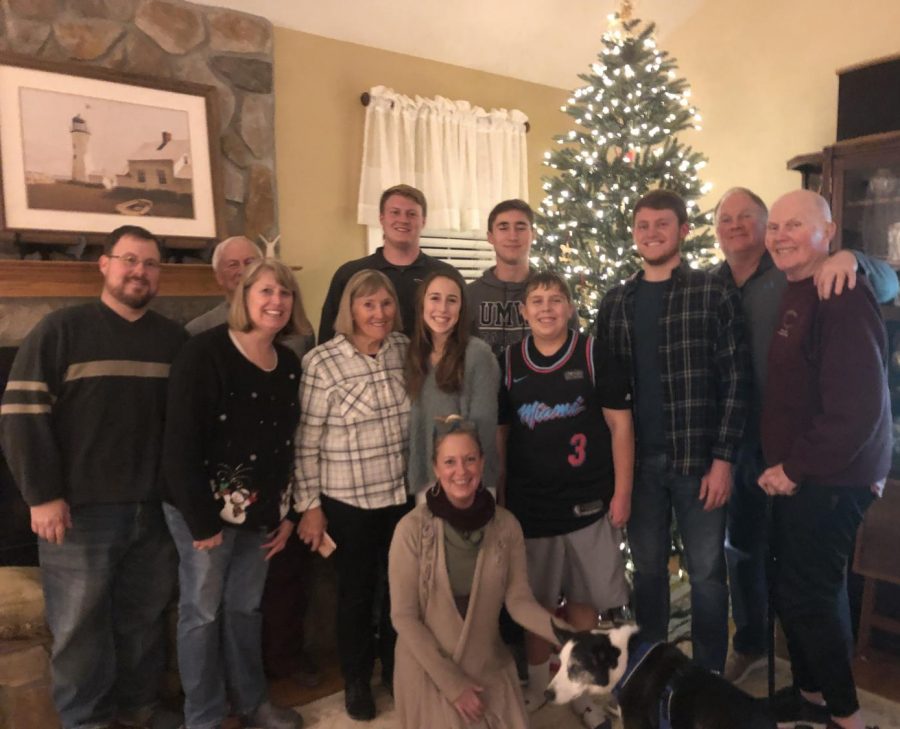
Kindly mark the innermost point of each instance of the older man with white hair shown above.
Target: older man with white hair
(741, 218)
(229, 259)
(826, 436)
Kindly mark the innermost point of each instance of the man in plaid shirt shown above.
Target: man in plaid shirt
(679, 333)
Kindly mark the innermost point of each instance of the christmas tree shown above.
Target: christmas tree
(624, 144)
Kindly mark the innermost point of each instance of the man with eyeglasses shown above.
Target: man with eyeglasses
(229, 260)
(81, 427)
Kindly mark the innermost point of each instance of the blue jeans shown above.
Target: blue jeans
(219, 623)
(745, 552)
(106, 588)
(657, 492)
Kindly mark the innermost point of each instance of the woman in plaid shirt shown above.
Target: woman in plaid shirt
(352, 449)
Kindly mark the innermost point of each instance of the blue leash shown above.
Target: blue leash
(635, 660)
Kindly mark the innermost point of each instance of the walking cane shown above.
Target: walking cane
(770, 599)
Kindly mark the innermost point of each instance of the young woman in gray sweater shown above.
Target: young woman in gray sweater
(447, 372)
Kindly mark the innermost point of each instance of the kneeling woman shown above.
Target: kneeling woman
(232, 411)
(454, 561)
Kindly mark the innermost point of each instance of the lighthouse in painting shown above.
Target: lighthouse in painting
(81, 136)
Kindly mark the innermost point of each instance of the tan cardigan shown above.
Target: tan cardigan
(438, 653)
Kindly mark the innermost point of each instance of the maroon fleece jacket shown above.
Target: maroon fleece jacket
(826, 411)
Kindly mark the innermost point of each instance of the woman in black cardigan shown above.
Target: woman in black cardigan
(228, 454)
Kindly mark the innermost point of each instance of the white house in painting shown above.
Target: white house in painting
(164, 165)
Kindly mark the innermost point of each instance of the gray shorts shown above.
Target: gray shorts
(586, 566)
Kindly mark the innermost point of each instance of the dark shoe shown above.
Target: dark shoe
(269, 716)
(790, 709)
(358, 700)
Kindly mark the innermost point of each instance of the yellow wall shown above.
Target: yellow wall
(763, 78)
(762, 73)
(319, 130)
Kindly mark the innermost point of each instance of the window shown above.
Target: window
(463, 158)
(161, 176)
(141, 176)
(470, 254)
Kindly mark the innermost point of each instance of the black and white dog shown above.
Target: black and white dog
(657, 686)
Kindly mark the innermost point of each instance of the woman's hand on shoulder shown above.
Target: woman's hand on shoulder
(204, 545)
(312, 527)
(278, 538)
(469, 704)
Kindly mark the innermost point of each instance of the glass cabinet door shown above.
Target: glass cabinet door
(867, 204)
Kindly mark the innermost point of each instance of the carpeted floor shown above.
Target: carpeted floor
(328, 713)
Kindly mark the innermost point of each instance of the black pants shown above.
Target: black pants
(814, 534)
(363, 537)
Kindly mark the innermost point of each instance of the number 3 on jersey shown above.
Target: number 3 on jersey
(579, 443)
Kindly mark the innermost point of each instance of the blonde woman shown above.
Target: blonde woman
(232, 412)
(351, 466)
(455, 561)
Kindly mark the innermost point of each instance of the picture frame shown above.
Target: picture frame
(86, 149)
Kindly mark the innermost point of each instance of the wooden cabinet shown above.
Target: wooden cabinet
(861, 179)
(864, 180)
(877, 559)
(810, 168)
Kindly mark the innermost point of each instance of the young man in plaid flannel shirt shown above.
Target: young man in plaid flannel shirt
(679, 333)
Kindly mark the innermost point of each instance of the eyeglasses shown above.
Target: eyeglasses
(129, 260)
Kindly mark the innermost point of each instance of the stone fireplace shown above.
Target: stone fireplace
(162, 39)
(172, 39)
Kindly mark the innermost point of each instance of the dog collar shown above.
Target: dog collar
(635, 659)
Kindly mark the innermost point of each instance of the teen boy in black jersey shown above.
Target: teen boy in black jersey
(567, 436)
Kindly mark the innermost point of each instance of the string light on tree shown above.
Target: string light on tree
(627, 116)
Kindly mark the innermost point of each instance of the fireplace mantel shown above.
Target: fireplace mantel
(38, 279)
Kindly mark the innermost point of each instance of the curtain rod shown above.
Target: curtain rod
(365, 99)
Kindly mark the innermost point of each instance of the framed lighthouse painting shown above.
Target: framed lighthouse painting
(84, 150)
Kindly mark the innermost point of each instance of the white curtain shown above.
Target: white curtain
(464, 159)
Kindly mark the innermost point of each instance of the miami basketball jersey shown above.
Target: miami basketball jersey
(559, 453)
